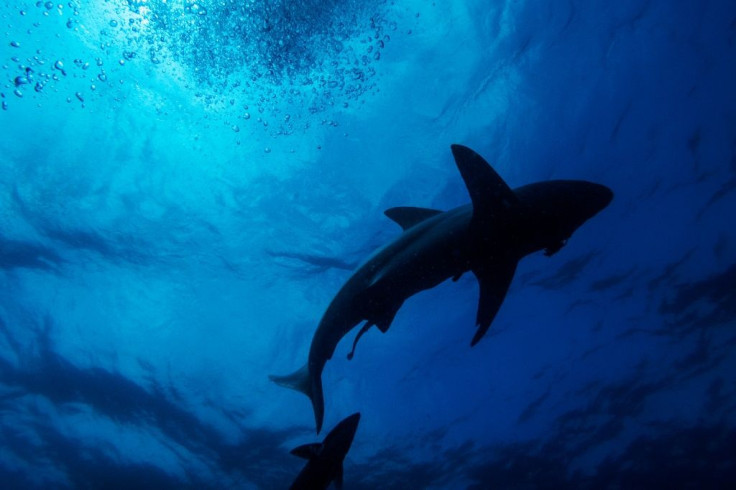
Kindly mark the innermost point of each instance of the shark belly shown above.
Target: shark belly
(416, 261)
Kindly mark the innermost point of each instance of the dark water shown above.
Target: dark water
(186, 185)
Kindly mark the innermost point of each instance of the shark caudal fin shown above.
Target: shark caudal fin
(300, 380)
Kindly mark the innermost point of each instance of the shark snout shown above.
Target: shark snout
(600, 196)
(588, 200)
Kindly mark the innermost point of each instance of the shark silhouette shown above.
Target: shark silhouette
(325, 459)
(488, 237)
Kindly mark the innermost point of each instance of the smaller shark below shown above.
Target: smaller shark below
(487, 237)
(324, 465)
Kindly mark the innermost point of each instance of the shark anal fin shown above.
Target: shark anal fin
(307, 451)
(494, 282)
(338, 477)
(491, 196)
(406, 216)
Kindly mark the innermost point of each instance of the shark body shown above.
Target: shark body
(487, 237)
(324, 465)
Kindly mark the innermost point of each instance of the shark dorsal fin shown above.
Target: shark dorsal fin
(307, 451)
(338, 478)
(407, 216)
(488, 192)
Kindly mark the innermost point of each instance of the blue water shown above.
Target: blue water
(185, 186)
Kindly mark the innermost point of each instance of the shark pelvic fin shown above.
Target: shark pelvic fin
(494, 282)
(490, 195)
(407, 216)
(363, 330)
(307, 451)
(382, 319)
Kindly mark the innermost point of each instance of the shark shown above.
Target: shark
(487, 237)
(324, 465)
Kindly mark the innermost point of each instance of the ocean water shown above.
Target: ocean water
(185, 185)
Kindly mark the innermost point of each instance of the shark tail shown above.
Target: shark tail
(300, 380)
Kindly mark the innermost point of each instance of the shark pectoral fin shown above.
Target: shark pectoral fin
(407, 216)
(488, 191)
(494, 282)
(338, 477)
(307, 451)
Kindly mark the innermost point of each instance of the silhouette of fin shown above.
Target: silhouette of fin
(494, 282)
(363, 330)
(307, 451)
(300, 380)
(338, 478)
(491, 196)
(382, 320)
(407, 216)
